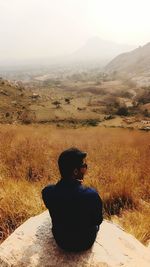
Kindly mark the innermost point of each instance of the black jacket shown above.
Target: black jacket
(76, 213)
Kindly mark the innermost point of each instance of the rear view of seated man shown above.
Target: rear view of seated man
(76, 210)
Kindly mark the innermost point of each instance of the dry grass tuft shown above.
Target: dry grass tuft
(27, 157)
(136, 222)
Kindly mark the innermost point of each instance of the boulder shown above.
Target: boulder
(32, 244)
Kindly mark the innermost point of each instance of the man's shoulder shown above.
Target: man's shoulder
(90, 191)
(93, 196)
(47, 189)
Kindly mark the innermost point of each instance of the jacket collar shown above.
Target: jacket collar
(69, 182)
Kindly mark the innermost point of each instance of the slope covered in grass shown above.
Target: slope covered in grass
(118, 167)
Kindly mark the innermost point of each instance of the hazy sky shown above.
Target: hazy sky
(39, 28)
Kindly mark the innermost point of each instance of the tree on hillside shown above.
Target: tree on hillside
(122, 111)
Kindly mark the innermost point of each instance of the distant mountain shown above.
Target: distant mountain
(96, 49)
(134, 64)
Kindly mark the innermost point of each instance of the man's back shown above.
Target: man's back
(76, 213)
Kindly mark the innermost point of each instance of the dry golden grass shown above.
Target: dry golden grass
(118, 167)
(136, 222)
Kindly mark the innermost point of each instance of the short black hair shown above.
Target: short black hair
(69, 160)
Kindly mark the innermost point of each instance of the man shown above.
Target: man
(76, 211)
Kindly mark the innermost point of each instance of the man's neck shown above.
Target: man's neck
(72, 181)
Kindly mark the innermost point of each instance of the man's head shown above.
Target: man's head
(71, 164)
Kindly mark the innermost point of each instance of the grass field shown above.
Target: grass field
(118, 167)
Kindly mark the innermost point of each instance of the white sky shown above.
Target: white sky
(39, 28)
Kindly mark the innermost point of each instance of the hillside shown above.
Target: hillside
(82, 98)
(14, 101)
(134, 64)
(118, 168)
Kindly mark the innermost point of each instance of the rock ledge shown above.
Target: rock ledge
(32, 245)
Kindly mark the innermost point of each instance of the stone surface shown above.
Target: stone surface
(32, 244)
